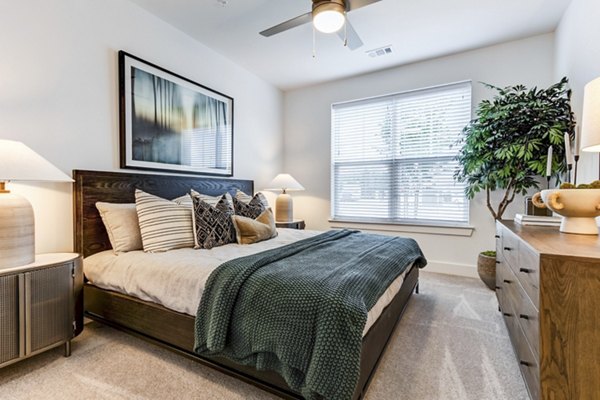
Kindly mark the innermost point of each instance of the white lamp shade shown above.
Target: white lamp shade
(590, 122)
(285, 182)
(19, 163)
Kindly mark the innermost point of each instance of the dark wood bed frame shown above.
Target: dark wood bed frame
(175, 330)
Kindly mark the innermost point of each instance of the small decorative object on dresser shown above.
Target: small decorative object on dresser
(578, 207)
(19, 163)
(284, 207)
(548, 289)
(41, 306)
(294, 224)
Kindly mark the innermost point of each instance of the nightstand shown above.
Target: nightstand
(294, 224)
(41, 306)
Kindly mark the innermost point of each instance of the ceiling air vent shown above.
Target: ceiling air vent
(381, 51)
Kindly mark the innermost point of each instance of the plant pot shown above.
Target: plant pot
(486, 268)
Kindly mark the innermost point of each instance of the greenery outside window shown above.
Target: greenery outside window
(393, 158)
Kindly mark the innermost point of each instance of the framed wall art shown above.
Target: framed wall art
(170, 123)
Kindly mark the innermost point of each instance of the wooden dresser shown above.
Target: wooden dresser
(548, 288)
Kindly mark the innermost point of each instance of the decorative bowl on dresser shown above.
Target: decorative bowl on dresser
(548, 289)
(41, 306)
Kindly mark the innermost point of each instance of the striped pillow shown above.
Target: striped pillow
(164, 224)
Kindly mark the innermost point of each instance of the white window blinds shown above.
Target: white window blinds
(393, 157)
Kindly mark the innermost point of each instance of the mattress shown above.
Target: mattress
(176, 279)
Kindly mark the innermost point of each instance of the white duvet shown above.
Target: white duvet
(176, 279)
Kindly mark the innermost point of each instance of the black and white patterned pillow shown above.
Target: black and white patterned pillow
(246, 198)
(212, 224)
(251, 209)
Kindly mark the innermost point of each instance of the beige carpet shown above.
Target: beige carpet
(450, 344)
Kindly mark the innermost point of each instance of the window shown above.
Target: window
(393, 157)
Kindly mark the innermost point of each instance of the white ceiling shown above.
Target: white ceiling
(417, 30)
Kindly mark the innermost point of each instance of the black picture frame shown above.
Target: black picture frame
(170, 123)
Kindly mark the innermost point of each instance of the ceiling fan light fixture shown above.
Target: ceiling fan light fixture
(329, 16)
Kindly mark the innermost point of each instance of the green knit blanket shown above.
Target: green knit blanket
(300, 309)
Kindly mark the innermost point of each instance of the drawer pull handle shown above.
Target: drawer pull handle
(497, 236)
(507, 314)
(525, 270)
(525, 363)
(523, 316)
(498, 288)
(497, 261)
(507, 281)
(507, 249)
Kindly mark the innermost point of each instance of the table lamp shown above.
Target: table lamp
(590, 121)
(19, 163)
(284, 207)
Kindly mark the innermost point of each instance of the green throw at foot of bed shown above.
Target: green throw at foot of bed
(300, 309)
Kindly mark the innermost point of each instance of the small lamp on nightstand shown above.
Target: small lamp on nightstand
(284, 207)
(19, 163)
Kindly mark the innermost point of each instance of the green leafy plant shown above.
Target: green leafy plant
(505, 147)
(489, 253)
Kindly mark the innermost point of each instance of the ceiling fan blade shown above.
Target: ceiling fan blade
(353, 41)
(354, 4)
(289, 24)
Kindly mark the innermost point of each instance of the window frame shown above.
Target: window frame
(452, 227)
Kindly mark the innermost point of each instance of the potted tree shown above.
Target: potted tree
(505, 147)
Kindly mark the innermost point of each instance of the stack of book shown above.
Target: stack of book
(537, 220)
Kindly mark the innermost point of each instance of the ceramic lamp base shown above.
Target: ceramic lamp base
(284, 208)
(579, 225)
(17, 242)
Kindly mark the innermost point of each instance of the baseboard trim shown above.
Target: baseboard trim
(451, 269)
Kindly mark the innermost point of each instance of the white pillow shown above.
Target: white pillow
(164, 224)
(122, 226)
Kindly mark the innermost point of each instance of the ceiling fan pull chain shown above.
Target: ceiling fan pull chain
(346, 33)
(314, 49)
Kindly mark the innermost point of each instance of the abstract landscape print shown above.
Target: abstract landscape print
(170, 123)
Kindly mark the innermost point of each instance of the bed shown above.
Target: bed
(175, 331)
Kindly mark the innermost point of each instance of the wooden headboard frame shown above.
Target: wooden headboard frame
(119, 187)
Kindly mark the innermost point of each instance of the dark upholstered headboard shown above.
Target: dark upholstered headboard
(119, 187)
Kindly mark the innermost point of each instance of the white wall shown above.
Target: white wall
(59, 91)
(307, 133)
(578, 57)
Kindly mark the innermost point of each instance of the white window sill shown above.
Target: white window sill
(431, 229)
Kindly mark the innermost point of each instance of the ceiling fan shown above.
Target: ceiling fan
(327, 16)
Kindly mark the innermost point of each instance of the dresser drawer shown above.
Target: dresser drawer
(509, 248)
(525, 314)
(527, 317)
(526, 360)
(500, 284)
(528, 273)
(527, 364)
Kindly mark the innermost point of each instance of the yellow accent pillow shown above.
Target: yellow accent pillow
(250, 230)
